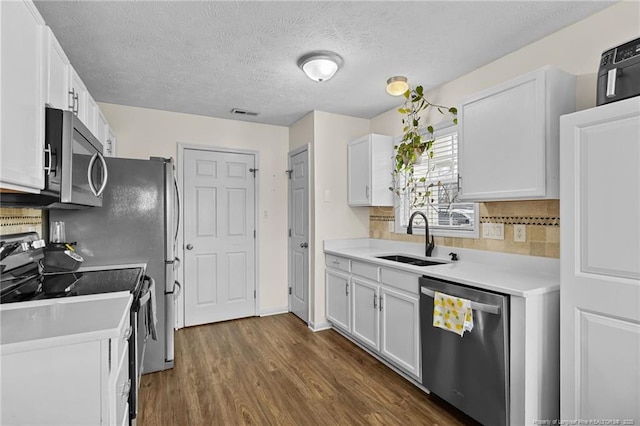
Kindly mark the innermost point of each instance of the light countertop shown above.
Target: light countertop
(512, 274)
(27, 326)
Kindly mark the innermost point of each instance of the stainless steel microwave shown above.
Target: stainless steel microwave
(75, 169)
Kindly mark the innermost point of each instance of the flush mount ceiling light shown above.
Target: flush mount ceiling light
(397, 85)
(320, 65)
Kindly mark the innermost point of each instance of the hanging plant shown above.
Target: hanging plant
(416, 140)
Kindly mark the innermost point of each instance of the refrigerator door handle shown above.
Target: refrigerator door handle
(175, 183)
(176, 293)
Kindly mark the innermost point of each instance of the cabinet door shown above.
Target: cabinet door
(91, 120)
(366, 318)
(57, 72)
(509, 137)
(359, 171)
(502, 141)
(102, 128)
(338, 309)
(400, 337)
(21, 97)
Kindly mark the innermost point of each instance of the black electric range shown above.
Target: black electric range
(22, 278)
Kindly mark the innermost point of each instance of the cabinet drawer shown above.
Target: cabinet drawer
(123, 387)
(401, 280)
(338, 262)
(365, 270)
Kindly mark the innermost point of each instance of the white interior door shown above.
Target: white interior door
(299, 234)
(600, 264)
(219, 236)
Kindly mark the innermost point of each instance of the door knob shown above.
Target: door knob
(304, 245)
(189, 247)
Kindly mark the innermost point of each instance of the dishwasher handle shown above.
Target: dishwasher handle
(476, 306)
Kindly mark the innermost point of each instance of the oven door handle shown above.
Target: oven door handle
(476, 306)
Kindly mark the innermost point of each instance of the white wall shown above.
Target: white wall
(144, 132)
(575, 49)
(333, 216)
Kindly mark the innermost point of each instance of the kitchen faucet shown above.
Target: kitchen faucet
(428, 246)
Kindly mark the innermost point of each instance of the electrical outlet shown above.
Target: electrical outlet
(520, 233)
(493, 231)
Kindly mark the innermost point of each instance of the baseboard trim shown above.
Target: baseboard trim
(320, 327)
(273, 311)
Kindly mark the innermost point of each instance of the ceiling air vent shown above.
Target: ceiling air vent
(239, 111)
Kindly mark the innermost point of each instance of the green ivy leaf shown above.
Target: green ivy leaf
(430, 129)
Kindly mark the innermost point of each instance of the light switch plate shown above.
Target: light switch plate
(493, 231)
(520, 233)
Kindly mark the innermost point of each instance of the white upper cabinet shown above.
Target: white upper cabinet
(21, 97)
(57, 74)
(92, 116)
(509, 137)
(370, 164)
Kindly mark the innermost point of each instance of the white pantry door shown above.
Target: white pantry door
(219, 236)
(600, 264)
(299, 234)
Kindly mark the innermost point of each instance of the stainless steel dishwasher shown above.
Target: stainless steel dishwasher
(470, 372)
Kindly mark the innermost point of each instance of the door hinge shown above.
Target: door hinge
(254, 294)
(254, 234)
(289, 172)
(289, 232)
(253, 171)
(289, 290)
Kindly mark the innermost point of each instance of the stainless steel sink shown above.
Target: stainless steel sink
(410, 260)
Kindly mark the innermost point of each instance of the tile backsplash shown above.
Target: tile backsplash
(541, 219)
(17, 220)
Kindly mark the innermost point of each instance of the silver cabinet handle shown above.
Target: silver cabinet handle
(189, 247)
(346, 289)
(375, 301)
(49, 166)
(127, 333)
(72, 100)
(126, 388)
(367, 191)
(476, 306)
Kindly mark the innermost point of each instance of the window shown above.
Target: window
(447, 216)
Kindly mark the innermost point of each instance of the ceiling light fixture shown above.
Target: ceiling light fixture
(397, 85)
(320, 65)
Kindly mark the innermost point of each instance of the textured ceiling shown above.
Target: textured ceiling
(207, 57)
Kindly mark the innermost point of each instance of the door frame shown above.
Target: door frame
(180, 301)
(311, 250)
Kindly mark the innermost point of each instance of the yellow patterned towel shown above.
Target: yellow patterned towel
(452, 313)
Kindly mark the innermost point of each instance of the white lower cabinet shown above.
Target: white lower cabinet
(338, 309)
(366, 312)
(400, 319)
(384, 314)
(84, 383)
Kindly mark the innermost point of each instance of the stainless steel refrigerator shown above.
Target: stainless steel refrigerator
(138, 222)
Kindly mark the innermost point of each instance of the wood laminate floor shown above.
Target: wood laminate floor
(275, 371)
